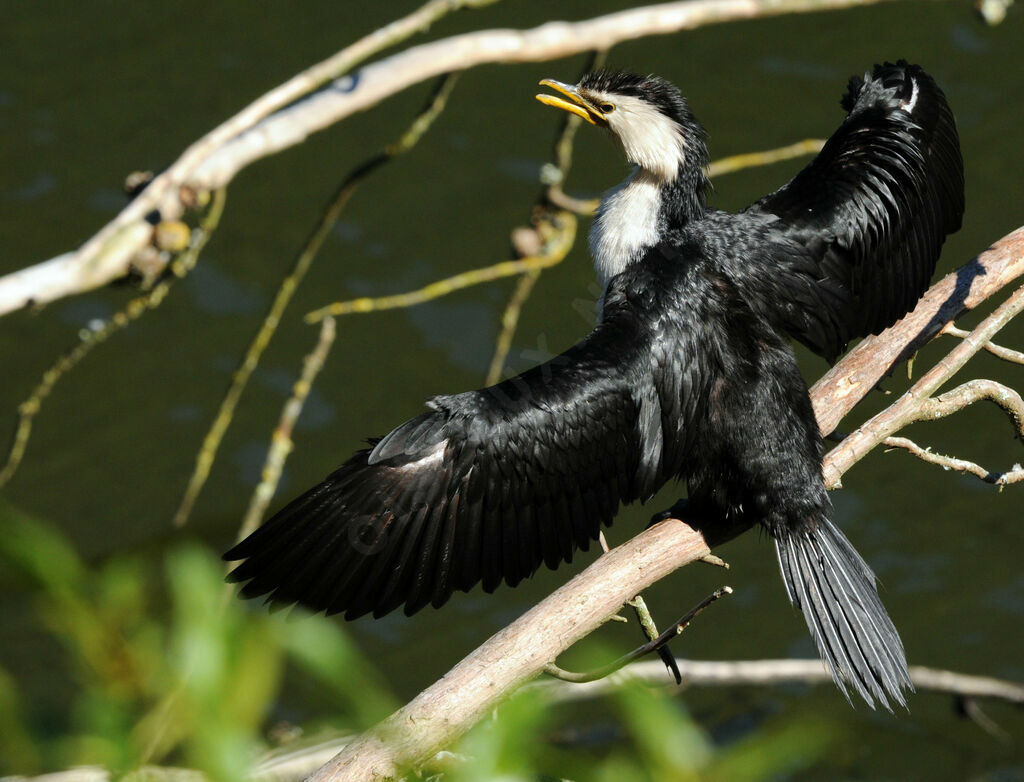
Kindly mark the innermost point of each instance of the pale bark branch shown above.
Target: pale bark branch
(736, 673)
(915, 403)
(842, 387)
(1007, 354)
(108, 254)
(514, 655)
(1014, 475)
(281, 118)
(518, 653)
(976, 391)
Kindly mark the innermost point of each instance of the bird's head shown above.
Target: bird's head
(647, 115)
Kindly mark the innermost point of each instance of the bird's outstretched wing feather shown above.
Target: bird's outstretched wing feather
(857, 233)
(484, 487)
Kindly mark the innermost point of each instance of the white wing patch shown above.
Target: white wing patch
(908, 105)
(435, 455)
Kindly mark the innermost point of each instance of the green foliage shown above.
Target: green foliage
(168, 669)
(191, 684)
(657, 740)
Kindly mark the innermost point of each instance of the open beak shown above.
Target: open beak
(576, 104)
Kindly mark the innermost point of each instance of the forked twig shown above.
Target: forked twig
(653, 645)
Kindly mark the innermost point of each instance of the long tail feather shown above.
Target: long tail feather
(835, 589)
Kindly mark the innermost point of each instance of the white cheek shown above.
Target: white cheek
(648, 138)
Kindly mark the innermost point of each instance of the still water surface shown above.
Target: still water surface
(87, 97)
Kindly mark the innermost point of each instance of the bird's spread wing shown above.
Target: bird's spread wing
(857, 233)
(483, 487)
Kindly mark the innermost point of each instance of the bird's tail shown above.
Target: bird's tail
(835, 589)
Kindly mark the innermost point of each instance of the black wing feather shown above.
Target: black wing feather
(857, 233)
(485, 487)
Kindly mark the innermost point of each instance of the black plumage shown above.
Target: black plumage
(685, 376)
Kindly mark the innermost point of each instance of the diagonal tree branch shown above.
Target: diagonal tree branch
(255, 132)
(519, 652)
(514, 655)
(842, 387)
(917, 403)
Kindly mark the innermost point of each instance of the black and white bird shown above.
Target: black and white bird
(684, 376)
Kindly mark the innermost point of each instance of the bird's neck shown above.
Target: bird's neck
(637, 214)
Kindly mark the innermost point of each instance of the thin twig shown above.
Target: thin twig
(281, 440)
(90, 338)
(509, 322)
(211, 443)
(1014, 475)
(655, 644)
(1016, 356)
(733, 163)
(564, 224)
(969, 708)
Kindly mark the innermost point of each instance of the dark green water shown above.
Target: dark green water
(90, 92)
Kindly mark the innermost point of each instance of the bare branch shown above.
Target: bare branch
(701, 673)
(733, 163)
(108, 254)
(1016, 356)
(908, 407)
(842, 387)
(657, 643)
(254, 133)
(953, 463)
(515, 655)
(976, 391)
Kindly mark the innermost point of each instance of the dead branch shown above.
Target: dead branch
(514, 655)
(657, 643)
(1006, 354)
(706, 673)
(1014, 475)
(917, 404)
(836, 393)
(279, 119)
(519, 652)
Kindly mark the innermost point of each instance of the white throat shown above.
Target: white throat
(626, 224)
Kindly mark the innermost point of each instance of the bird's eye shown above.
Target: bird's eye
(607, 108)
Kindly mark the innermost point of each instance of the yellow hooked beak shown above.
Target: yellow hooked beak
(579, 105)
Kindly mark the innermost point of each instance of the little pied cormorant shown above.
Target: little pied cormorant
(685, 376)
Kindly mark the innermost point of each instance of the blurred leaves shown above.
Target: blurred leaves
(166, 666)
(644, 734)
